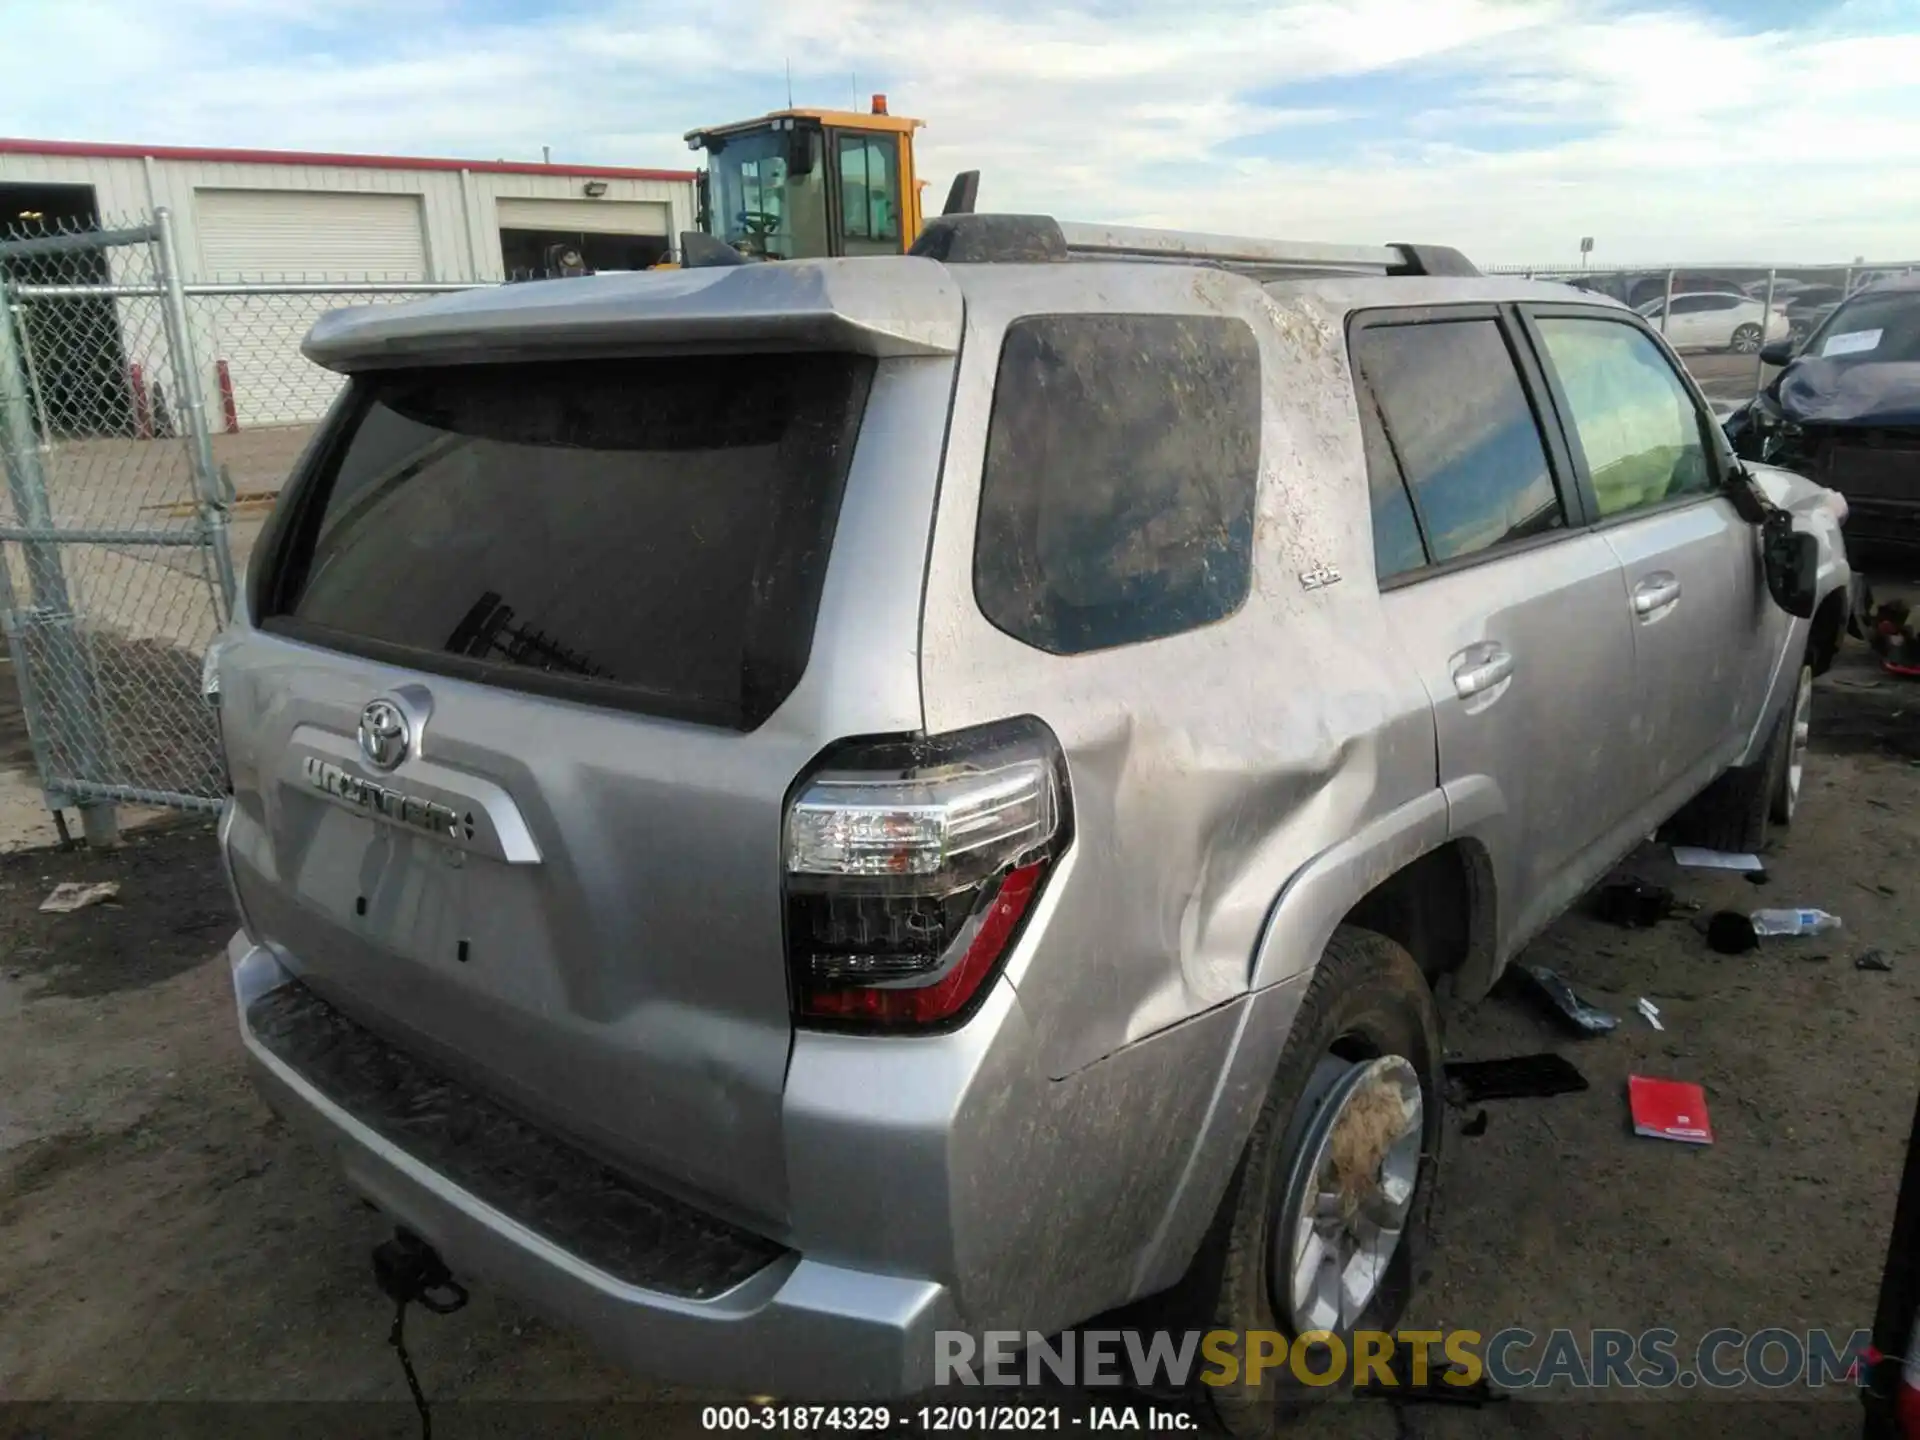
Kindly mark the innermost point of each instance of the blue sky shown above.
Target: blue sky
(1694, 129)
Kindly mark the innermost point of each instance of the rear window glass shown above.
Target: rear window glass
(653, 532)
(1118, 497)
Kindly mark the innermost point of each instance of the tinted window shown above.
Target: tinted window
(869, 204)
(1722, 302)
(1464, 434)
(655, 529)
(1117, 501)
(1633, 418)
(1692, 304)
(1397, 547)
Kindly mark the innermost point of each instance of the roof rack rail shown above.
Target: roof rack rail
(1027, 239)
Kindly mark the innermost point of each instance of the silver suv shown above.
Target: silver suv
(780, 810)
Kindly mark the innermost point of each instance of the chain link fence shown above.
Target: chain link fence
(1720, 317)
(113, 568)
(265, 397)
(146, 425)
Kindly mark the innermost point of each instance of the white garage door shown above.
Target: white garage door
(589, 217)
(294, 235)
(313, 235)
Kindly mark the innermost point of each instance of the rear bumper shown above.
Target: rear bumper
(793, 1326)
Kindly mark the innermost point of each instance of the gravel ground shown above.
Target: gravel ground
(165, 1239)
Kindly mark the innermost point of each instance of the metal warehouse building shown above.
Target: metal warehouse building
(266, 214)
(253, 220)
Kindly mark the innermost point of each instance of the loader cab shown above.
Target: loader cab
(802, 184)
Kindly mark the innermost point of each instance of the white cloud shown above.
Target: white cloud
(1696, 141)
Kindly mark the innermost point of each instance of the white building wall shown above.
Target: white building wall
(258, 337)
(457, 206)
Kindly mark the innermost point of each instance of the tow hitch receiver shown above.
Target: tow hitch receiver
(408, 1269)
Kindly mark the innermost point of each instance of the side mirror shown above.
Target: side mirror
(1776, 352)
(1792, 561)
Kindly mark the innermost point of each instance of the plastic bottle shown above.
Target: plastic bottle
(1793, 922)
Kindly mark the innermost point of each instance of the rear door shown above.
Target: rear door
(1649, 474)
(512, 742)
(1511, 611)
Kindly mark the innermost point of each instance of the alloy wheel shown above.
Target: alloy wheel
(1348, 1197)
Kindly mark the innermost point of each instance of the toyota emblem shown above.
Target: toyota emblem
(384, 737)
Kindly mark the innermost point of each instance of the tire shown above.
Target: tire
(1784, 801)
(1746, 340)
(1367, 1001)
(1732, 812)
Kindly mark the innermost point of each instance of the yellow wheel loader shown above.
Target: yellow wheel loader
(802, 184)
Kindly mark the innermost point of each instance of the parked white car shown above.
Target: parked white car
(1717, 320)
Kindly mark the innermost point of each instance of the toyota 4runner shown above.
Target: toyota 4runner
(782, 809)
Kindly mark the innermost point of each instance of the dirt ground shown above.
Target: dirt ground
(163, 1238)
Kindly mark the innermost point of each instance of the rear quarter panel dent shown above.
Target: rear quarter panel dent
(1207, 767)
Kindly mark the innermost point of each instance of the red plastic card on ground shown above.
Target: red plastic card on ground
(1669, 1110)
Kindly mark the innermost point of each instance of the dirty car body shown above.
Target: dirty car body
(728, 849)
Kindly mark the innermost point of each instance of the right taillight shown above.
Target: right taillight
(910, 865)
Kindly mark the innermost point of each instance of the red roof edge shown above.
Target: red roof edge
(82, 149)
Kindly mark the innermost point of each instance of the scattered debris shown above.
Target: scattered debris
(1793, 922)
(1475, 1127)
(1669, 1110)
(69, 896)
(1892, 638)
(1585, 1018)
(1872, 960)
(1874, 800)
(1652, 1011)
(1731, 933)
(1521, 1077)
(1634, 904)
(1698, 857)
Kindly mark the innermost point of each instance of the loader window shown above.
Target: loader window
(760, 204)
(869, 193)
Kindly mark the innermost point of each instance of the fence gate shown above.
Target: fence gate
(114, 567)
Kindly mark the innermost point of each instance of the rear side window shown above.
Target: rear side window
(1460, 427)
(1117, 501)
(650, 533)
(1397, 546)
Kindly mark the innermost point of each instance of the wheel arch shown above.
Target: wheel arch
(1829, 625)
(1403, 876)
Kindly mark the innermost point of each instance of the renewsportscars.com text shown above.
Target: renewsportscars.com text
(1513, 1359)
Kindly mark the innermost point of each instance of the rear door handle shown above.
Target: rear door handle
(1479, 668)
(1655, 594)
